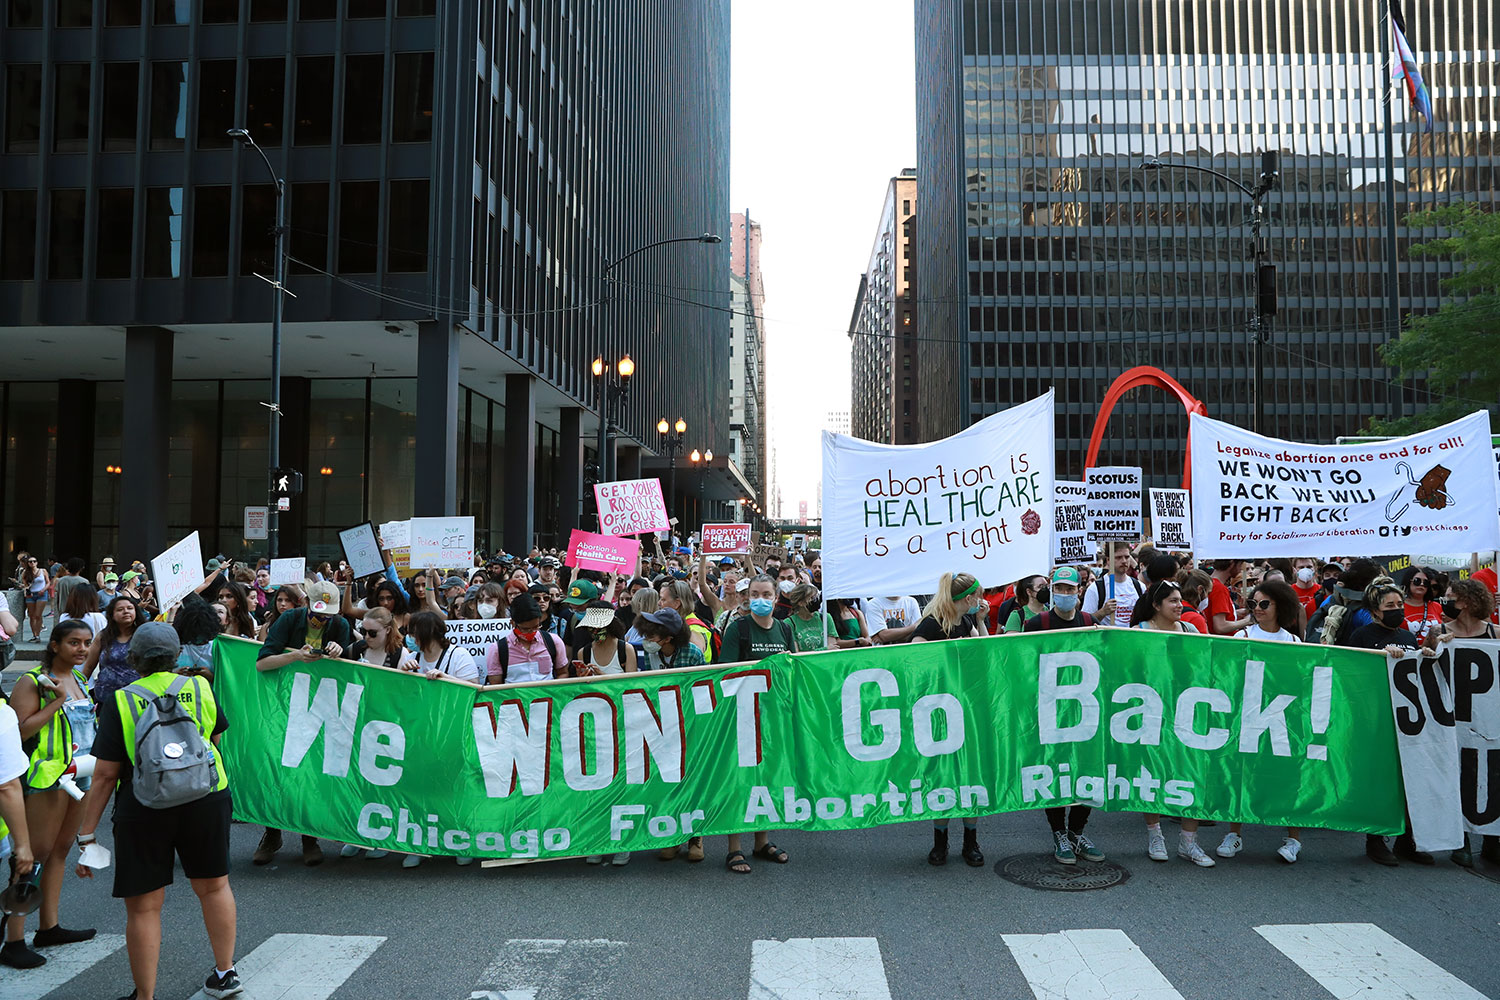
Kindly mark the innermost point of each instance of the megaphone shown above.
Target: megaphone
(25, 894)
(81, 767)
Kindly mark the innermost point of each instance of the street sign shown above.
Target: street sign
(255, 522)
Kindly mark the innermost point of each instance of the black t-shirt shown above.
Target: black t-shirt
(109, 744)
(1050, 619)
(1376, 636)
(929, 629)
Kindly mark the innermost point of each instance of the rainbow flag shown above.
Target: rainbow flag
(1416, 89)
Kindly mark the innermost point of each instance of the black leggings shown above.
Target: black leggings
(1059, 820)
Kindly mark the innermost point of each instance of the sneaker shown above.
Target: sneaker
(218, 986)
(58, 934)
(594, 859)
(464, 861)
(411, 861)
(1156, 844)
(1085, 849)
(1193, 851)
(1062, 853)
(270, 843)
(1230, 846)
(1288, 850)
(375, 855)
(620, 860)
(16, 955)
(350, 851)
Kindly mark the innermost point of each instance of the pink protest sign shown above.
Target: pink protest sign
(726, 539)
(587, 550)
(631, 507)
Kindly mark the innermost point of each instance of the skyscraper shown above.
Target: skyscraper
(1050, 258)
(883, 333)
(747, 355)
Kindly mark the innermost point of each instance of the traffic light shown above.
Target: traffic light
(285, 483)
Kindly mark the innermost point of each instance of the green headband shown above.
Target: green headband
(972, 587)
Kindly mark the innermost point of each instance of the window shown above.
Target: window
(163, 233)
(23, 107)
(75, 13)
(416, 8)
(172, 12)
(364, 84)
(122, 13)
(906, 206)
(17, 235)
(317, 10)
(257, 220)
(411, 98)
(168, 105)
(308, 215)
(221, 11)
(314, 101)
(70, 120)
(406, 231)
(265, 90)
(215, 103)
(359, 221)
(114, 236)
(210, 232)
(65, 253)
(484, 110)
(365, 8)
(117, 124)
(25, 14)
(268, 10)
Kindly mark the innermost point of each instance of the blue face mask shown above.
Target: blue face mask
(762, 606)
(1066, 603)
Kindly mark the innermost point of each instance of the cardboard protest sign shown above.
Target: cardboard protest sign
(631, 507)
(1171, 520)
(291, 570)
(726, 539)
(476, 634)
(1070, 536)
(1284, 498)
(1114, 497)
(395, 535)
(606, 553)
(979, 501)
(442, 542)
(361, 550)
(177, 571)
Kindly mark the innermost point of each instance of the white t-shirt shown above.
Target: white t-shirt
(1253, 631)
(891, 612)
(1125, 595)
(1182, 626)
(13, 762)
(93, 619)
(454, 661)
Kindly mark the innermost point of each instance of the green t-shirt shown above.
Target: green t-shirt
(746, 641)
(1019, 617)
(809, 634)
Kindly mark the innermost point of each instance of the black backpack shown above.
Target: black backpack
(502, 652)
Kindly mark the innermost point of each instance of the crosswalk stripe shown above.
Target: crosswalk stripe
(62, 965)
(818, 969)
(301, 966)
(552, 969)
(1362, 960)
(1088, 965)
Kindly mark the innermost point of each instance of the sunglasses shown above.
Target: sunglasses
(1420, 581)
(1263, 605)
(371, 633)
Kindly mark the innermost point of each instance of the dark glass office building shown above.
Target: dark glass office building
(1055, 260)
(459, 175)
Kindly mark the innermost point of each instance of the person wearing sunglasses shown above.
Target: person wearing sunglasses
(1423, 612)
(1275, 613)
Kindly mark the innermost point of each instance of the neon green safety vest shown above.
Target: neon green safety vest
(205, 715)
(54, 747)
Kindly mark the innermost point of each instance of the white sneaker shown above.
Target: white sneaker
(350, 851)
(375, 855)
(1288, 850)
(620, 860)
(411, 861)
(594, 859)
(1230, 846)
(464, 861)
(1193, 851)
(1156, 844)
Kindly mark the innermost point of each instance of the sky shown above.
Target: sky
(822, 117)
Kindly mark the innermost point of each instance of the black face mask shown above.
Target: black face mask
(1450, 609)
(1044, 596)
(1393, 619)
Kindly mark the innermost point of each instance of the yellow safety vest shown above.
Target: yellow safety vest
(696, 624)
(205, 715)
(54, 741)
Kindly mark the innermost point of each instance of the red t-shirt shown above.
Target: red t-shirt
(1219, 603)
(1193, 618)
(1309, 597)
(1420, 620)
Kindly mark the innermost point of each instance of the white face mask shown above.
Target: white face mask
(1203, 604)
(488, 610)
(787, 586)
(1305, 575)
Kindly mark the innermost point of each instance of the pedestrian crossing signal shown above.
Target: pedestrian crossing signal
(285, 484)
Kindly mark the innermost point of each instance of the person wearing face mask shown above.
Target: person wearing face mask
(529, 652)
(810, 624)
(1194, 584)
(1032, 597)
(1305, 583)
(1064, 612)
(786, 582)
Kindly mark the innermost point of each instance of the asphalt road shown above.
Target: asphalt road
(887, 924)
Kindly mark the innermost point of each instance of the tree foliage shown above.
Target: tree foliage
(1457, 348)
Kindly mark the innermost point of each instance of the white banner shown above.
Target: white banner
(177, 571)
(1171, 520)
(477, 634)
(291, 570)
(442, 542)
(1114, 497)
(1261, 495)
(1070, 532)
(897, 517)
(1448, 732)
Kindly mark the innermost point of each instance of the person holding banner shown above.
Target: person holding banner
(236, 602)
(1277, 614)
(1467, 607)
(678, 595)
(381, 644)
(665, 638)
(437, 655)
(1032, 597)
(283, 599)
(602, 649)
(812, 628)
(849, 624)
(1420, 585)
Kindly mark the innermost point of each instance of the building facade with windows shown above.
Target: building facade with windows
(1050, 258)
(460, 176)
(747, 355)
(884, 364)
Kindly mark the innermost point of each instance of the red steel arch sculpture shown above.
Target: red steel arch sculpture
(1136, 378)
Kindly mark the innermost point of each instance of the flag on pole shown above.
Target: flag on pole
(1416, 90)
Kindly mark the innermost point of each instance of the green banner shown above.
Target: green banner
(1226, 729)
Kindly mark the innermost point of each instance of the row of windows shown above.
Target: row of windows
(1228, 351)
(1073, 323)
(259, 107)
(128, 13)
(1001, 392)
(166, 217)
(1192, 285)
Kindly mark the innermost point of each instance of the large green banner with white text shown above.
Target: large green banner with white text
(1227, 729)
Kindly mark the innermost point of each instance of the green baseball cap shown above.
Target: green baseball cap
(582, 592)
(1065, 574)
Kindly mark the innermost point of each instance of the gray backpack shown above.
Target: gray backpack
(174, 764)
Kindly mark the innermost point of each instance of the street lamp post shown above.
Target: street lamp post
(1265, 270)
(706, 458)
(613, 387)
(273, 446)
(673, 444)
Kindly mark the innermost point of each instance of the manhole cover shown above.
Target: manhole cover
(1041, 871)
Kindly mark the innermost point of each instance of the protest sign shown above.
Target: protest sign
(1114, 497)
(1281, 498)
(476, 634)
(606, 553)
(726, 539)
(1171, 520)
(631, 507)
(177, 571)
(362, 550)
(395, 535)
(978, 502)
(1447, 713)
(292, 569)
(1228, 729)
(442, 542)
(1070, 543)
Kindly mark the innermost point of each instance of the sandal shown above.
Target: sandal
(695, 849)
(736, 863)
(771, 852)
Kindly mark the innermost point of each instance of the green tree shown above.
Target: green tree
(1457, 347)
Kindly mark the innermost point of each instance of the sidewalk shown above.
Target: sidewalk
(28, 653)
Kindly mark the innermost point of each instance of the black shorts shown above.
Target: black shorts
(198, 833)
